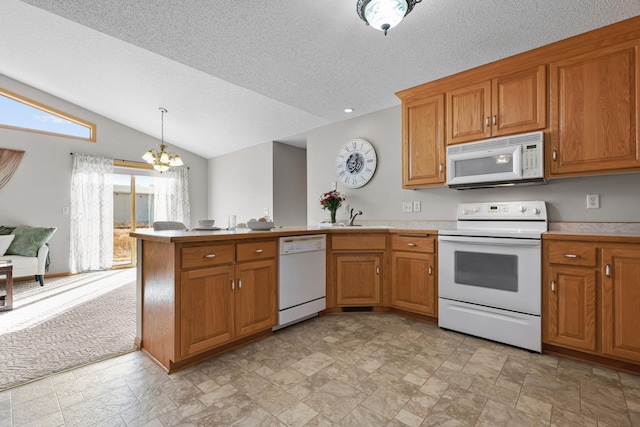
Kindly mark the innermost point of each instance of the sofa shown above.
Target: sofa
(26, 247)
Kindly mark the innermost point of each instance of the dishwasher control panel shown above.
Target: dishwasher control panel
(299, 244)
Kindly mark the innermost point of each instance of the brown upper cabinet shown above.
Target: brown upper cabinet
(593, 112)
(423, 149)
(501, 106)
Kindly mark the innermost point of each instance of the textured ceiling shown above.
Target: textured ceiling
(236, 74)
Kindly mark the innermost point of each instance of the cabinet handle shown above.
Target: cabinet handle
(233, 285)
(554, 155)
(239, 283)
(486, 122)
(494, 120)
(553, 286)
(377, 270)
(411, 244)
(258, 251)
(607, 270)
(210, 256)
(430, 270)
(571, 256)
(441, 167)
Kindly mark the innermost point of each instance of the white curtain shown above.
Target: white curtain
(171, 197)
(91, 214)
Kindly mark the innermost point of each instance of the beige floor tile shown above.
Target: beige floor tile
(363, 369)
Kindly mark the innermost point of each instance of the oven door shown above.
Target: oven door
(495, 272)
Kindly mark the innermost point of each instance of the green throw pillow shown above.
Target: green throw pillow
(6, 230)
(29, 239)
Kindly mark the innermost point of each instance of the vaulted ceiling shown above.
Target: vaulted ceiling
(235, 74)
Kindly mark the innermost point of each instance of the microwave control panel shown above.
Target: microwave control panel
(532, 160)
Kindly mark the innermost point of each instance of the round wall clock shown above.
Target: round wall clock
(356, 163)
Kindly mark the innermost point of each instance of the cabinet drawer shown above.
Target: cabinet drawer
(412, 243)
(206, 256)
(359, 242)
(572, 253)
(256, 250)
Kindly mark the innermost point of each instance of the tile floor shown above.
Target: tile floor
(345, 370)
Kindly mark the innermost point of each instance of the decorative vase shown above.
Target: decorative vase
(333, 216)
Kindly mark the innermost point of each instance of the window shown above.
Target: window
(19, 113)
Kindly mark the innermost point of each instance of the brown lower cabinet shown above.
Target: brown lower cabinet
(220, 294)
(591, 296)
(357, 267)
(413, 269)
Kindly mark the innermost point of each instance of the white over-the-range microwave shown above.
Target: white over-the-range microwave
(502, 161)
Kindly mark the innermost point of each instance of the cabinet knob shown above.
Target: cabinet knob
(554, 155)
(233, 284)
(553, 286)
(441, 167)
(571, 256)
(430, 270)
(411, 244)
(495, 120)
(607, 270)
(377, 270)
(258, 251)
(486, 122)
(210, 256)
(239, 283)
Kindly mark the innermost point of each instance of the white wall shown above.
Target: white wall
(382, 197)
(39, 188)
(289, 185)
(241, 184)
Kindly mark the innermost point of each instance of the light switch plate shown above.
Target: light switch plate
(407, 207)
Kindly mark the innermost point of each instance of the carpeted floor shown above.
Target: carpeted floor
(67, 323)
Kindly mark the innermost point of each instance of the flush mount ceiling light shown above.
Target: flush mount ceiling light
(384, 14)
(161, 160)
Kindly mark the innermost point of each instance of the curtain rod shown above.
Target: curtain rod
(129, 161)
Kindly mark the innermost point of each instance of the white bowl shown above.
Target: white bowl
(206, 222)
(256, 225)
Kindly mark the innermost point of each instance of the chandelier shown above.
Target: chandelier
(161, 160)
(384, 14)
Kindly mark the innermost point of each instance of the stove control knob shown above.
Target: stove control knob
(536, 211)
(466, 211)
(522, 208)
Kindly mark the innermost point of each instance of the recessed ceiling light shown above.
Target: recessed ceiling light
(348, 110)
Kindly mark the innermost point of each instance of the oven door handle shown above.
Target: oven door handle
(490, 241)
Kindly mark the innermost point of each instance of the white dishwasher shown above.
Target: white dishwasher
(301, 278)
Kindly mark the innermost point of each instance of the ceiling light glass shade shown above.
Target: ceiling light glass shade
(384, 14)
(160, 159)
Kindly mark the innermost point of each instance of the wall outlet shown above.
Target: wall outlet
(593, 201)
(416, 206)
(334, 185)
(407, 207)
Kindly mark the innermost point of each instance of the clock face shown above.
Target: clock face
(356, 163)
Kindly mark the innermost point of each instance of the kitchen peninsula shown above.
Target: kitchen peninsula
(202, 293)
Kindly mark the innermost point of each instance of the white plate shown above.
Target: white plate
(256, 225)
(206, 228)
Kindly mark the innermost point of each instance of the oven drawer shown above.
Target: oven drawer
(572, 253)
(412, 243)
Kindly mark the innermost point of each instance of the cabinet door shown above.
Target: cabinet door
(255, 297)
(621, 303)
(358, 279)
(413, 285)
(206, 317)
(519, 102)
(468, 113)
(572, 307)
(594, 107)
(423, 148)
